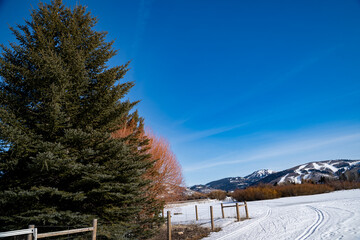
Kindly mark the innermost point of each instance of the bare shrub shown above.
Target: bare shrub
(269, 192)
(256, 193)
(303, 189)
(217, 194)
(342, 185)
(195, 196)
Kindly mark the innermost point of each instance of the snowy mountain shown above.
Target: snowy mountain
(232, 183)
(257, 175)
(202, 188)
(315, 171)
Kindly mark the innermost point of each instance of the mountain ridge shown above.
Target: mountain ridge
(315, 171)
(231, 183)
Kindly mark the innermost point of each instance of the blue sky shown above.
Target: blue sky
(236, 86)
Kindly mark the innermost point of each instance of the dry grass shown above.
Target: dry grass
(217, 194)
(184, 232)
(195, 196)
(342, 185)
(269, 192)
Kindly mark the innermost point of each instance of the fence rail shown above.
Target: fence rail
(65, 232)
(17, 232)
(237, 205)
(33, 235)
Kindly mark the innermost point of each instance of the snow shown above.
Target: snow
(260, 173)
(333, 215)
(324, 166)
(298, 170)
(307, 172)
(307, 176)
(331, 167)
(235, 180)
(294, 179)
(283, 178)
(354, 163)
(298, 180)
(264, 172)
(316, 166)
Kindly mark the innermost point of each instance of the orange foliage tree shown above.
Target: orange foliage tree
(165, 173)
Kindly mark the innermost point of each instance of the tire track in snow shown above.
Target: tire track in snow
(310, 230)
(238, 231)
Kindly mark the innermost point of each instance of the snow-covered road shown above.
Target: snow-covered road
(333, 215)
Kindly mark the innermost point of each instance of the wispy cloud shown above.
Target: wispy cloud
(205, 133)
(266, 85)
(298, 68)
(279, 150)
(141, 24)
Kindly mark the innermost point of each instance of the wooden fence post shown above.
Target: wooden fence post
(246, 210)
(237, 212)
(212, 218)
(30, 236)
(196, 213)
(94, 223)
(168, 225)
(222, 210)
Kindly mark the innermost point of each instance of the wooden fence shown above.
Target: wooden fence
(236, 205)
(32, 234)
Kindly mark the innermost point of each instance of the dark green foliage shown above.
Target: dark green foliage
(59, 104)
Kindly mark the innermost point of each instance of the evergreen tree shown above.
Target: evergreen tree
(59, 104)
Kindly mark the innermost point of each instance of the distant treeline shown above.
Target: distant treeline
(268, 191)
(263, 192)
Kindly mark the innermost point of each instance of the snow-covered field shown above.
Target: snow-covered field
(333, 215)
